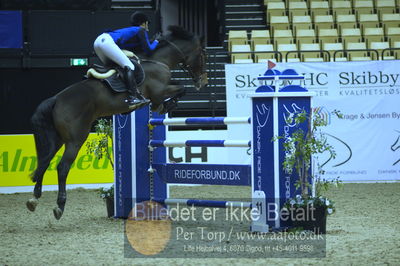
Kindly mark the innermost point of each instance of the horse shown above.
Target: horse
(67, 118)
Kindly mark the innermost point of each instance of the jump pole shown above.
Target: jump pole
(137, 180)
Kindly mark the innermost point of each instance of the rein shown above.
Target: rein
(184, 65)
(155, 62)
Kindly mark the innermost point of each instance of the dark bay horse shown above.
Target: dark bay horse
(67, 118)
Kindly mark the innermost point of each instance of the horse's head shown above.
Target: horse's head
(193, 57)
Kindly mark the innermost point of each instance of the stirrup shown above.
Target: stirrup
(140, 96)
(134, 100)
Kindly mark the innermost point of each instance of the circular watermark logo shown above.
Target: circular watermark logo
(148, 228)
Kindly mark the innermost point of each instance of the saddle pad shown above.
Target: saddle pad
(115, 82)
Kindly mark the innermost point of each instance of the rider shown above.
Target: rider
(109, 44)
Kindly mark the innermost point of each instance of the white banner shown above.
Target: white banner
(213, 155)
(367, 140)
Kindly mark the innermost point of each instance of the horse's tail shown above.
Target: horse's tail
(46, 136)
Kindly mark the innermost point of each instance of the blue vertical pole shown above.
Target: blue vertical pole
(122, 165)
(262, 147)
(287, 105)
(132, 161)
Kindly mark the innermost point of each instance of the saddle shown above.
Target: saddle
(113, 76)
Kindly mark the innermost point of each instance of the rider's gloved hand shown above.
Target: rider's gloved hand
(157, 36)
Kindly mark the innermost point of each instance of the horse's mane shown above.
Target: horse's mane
(180, 33)
(175, 32)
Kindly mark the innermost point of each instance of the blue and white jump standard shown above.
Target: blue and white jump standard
(142, 171)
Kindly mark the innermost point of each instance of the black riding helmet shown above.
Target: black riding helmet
(138, 18)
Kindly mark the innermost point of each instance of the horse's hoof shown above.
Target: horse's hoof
(57, 213)
(134, 107)
(159, 108)
(31, 204)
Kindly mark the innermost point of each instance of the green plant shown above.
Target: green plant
(301, 147)
(107, 192)
(300, 202)
(102, 145)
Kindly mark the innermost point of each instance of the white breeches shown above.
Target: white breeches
(107, 51)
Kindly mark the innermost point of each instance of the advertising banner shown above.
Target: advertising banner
(11, 29)
(18, 160)
(366, 139)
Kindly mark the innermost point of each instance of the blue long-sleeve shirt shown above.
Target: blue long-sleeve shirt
(133, 38)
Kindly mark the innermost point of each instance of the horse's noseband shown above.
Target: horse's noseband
(186, 67)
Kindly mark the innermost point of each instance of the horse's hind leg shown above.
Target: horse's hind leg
(44, 158)
(37, 192)
(44, 164)
(70, 153)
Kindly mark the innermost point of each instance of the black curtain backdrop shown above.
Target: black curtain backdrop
(51, 38)
(22, 90)
(55, 4)
(73, 32)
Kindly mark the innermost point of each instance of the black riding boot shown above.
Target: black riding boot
(132, 87)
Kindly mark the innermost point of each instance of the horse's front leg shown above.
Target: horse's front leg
(169, 101)
(71, 151)
(74, 134)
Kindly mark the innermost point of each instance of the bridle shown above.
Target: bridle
(186, 67)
